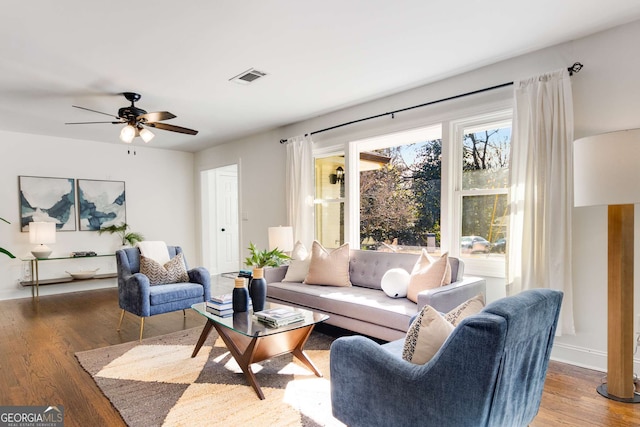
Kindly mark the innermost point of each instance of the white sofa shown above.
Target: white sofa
(364, 308)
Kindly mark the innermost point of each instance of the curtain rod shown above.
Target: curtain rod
(575, 68)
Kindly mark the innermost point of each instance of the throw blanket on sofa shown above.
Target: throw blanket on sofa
(156, 250)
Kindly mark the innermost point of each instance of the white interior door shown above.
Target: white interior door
(227, 228)
(220, 227)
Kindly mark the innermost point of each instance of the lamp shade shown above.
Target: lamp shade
(281, 238)
(146, 134)
(606, 169)
(127, 134)
(42, 232)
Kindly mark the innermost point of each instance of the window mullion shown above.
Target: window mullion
(352, 195)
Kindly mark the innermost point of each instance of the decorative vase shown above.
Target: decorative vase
(258, 289)
(240, 296)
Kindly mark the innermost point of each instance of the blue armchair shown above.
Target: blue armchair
(137, 296)
(489, 372)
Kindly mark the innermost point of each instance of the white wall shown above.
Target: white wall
(160, 200)
(261, 181)
(605, 98)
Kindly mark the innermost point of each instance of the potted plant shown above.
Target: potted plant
(264, 258)
(259, 259)
(126, 238)
(3, 250)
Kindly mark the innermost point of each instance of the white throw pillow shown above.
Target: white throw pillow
(299, 264)
(395, 282)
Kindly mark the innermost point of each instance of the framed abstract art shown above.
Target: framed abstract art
(48, 200)
(100, 204)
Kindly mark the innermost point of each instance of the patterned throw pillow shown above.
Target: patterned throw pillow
(428, 331)
(328, 268)
(174, 271)
(428, 273)
(466, 309)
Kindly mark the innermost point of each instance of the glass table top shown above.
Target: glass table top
(247, 324)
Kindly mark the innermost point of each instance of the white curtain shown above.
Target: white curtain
(299, 181)
(541, 193)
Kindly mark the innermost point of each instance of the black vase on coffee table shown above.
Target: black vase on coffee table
(258, 289)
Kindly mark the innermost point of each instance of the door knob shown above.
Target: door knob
(223, 229)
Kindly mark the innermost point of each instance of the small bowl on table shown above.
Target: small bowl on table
(82, 274)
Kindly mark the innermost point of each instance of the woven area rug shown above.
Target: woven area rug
(156, 383)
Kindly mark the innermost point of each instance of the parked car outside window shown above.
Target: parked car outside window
(499, 246)
(474, 244)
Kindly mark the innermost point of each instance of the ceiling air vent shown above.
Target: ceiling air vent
(249, 76)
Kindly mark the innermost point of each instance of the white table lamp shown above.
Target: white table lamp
(607, 172)
(281, 238)
(42, 233)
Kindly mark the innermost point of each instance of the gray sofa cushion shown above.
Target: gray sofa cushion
(360, 303)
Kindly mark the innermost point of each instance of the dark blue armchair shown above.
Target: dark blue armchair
(489, 372)
(136, 295)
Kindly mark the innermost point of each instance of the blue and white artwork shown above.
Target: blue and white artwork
(100, 204)
(47, 200)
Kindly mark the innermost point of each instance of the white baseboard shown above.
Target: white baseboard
(585, 357)
(19, 291)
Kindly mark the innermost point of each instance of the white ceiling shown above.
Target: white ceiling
(320, 56)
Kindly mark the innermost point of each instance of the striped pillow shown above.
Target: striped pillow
(174, 271)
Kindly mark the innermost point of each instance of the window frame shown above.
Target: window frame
(319, 153)
(451, 125)
(491, 267)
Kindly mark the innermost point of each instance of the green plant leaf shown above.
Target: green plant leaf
(265, 258)
(7, 253)
(133, 238)
(114, 229)
(121, 230)
(3, 250)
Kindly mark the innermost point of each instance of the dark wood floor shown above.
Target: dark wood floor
(38, 367)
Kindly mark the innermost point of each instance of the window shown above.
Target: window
(329, 200)
(421, 188)
(399, 177)
(481, 149)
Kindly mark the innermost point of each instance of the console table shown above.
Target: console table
(35, 281)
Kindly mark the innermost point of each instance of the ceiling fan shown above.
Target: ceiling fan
(136, 120)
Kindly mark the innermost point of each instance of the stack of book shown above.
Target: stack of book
(220, 305)
(277, 317)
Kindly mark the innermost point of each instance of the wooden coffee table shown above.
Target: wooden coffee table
(250, 341)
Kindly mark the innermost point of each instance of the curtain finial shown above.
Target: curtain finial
(575, 68)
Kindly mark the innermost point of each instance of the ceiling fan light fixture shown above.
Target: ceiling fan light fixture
(146, 134)
(127, 134)
(136, 121)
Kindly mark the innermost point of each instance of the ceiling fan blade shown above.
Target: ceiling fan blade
(90, 123)
(172, 128)
(156, 117)
(95, 111)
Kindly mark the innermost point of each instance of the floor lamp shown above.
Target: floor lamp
(281, 238)
(607, 172)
